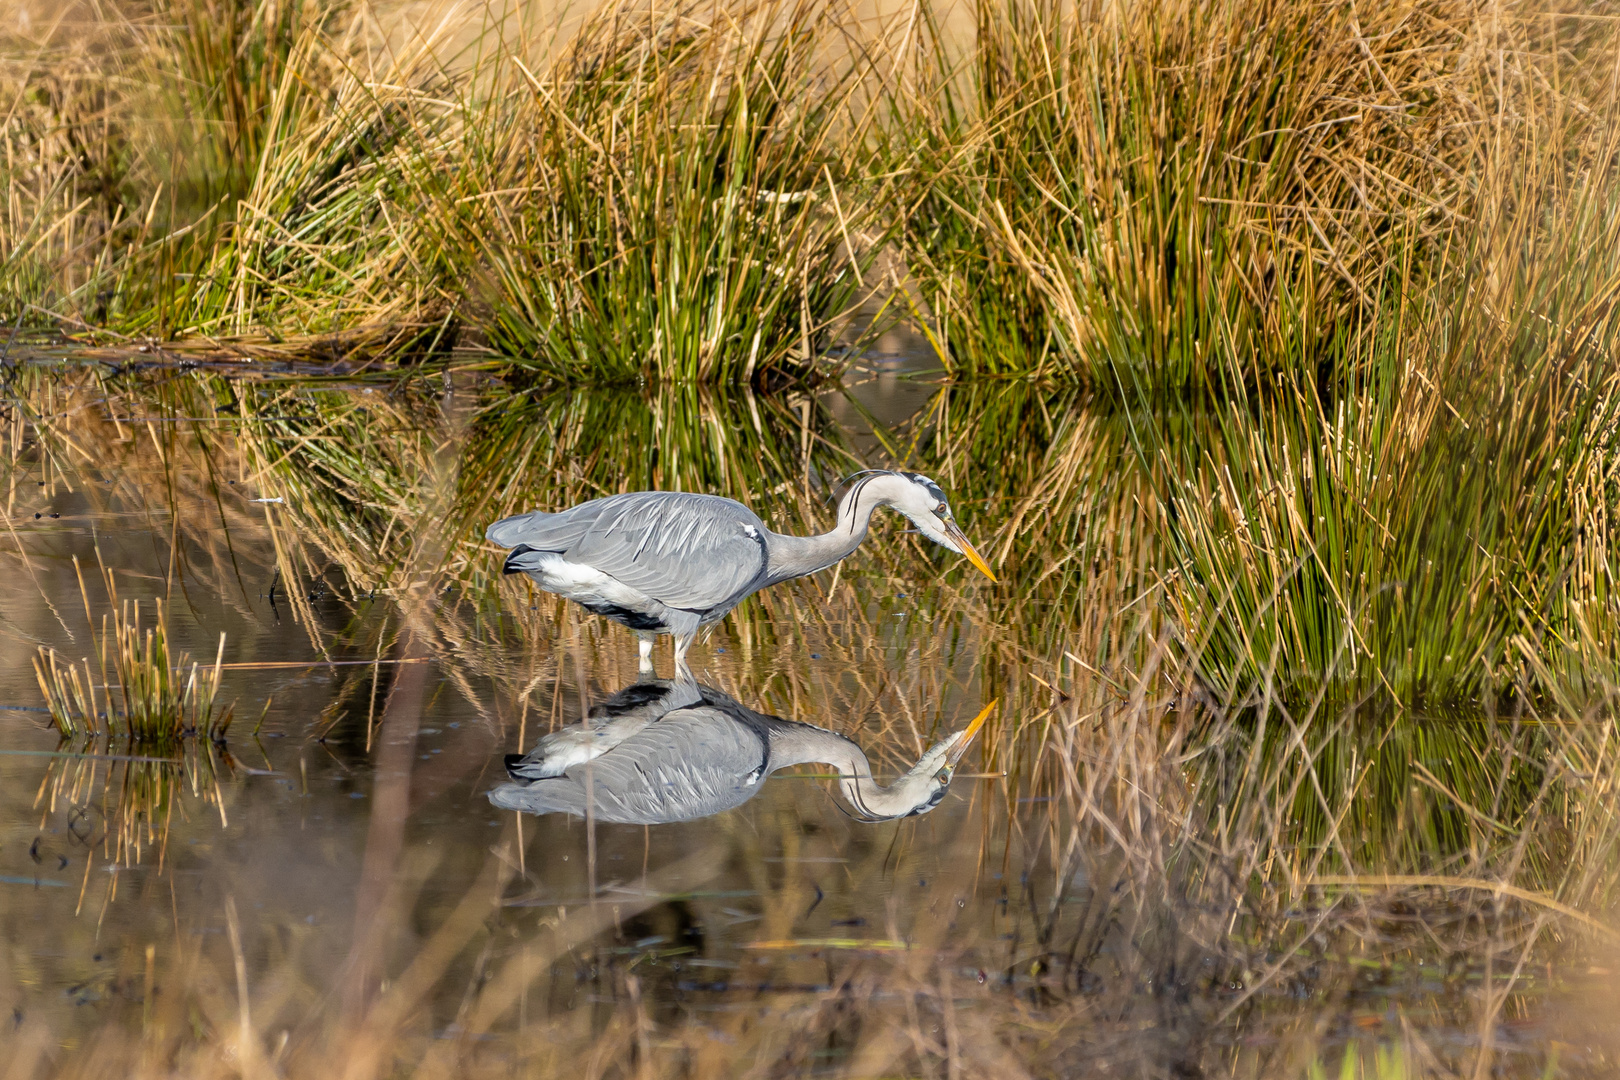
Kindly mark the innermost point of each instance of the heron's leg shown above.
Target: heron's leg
(683, 628)
(682, 642)
(646, 647)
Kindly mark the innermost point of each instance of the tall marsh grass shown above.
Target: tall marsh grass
(1439, 513)
(1194, 196)
(683, 195)
(130, 132)
(1164, 195)
(324, 243)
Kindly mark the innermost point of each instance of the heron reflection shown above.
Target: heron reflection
(661, 751)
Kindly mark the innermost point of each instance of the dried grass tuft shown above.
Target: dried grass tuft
(164, 696)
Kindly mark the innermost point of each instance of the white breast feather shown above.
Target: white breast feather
(579, 582)
(565, 749)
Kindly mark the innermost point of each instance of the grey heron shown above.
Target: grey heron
(663, 751)
(672, 562)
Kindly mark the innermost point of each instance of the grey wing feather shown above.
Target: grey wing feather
(608, 724)
(682, 549)
(692, 763)
(543, 531)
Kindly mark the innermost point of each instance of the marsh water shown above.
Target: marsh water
(1112, 885)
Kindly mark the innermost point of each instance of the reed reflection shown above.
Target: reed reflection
(662, 751)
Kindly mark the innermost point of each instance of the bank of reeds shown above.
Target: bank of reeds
(683, 195)
(1196, 196)
(130, 135)
(1439, 513)
(679, 193)
(1165, 195)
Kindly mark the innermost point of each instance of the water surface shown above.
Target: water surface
(1116, 881)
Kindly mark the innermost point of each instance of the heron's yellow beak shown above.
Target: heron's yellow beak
(954, 531)
(966, 738)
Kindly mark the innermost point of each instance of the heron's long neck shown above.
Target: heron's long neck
(803, 744)
(796, 556)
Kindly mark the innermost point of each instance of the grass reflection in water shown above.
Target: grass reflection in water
(1145, 872)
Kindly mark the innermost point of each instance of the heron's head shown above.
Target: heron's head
(923, 501)
(925, 783)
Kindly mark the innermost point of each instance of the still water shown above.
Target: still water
(1104, 888)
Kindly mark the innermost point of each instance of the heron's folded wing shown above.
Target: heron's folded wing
(684, 550)
(555, 796)
(543, 531)
(692, 763)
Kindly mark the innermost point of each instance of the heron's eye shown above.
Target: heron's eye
(942, 510)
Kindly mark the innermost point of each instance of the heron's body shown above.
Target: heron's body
(615, 556)
(608, 724)
(682, 752)
(671, 562)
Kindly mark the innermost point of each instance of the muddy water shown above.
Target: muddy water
(336, 856)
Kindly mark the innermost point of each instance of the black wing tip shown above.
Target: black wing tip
(512, 762)
(513, 564)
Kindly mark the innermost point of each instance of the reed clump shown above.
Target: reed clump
(1435, 521)
(162, 695)
(1194, 196)
(681, 195)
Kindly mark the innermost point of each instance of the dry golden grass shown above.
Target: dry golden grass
(1159, 195)
(1202, 196)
